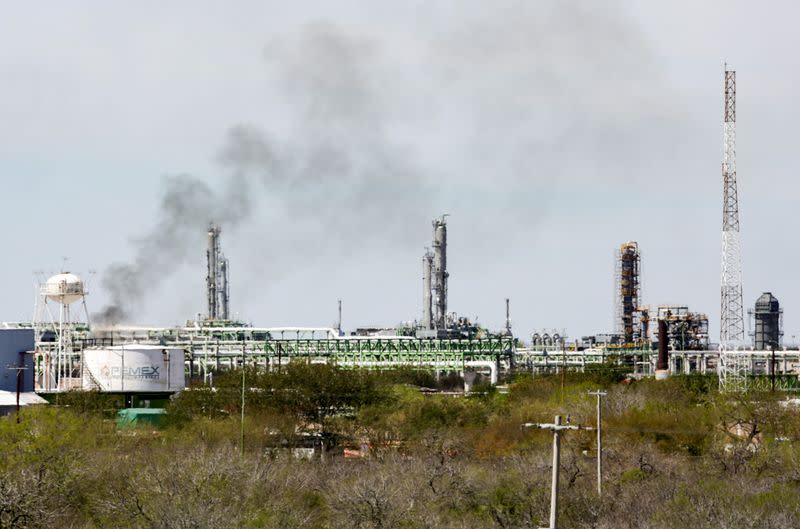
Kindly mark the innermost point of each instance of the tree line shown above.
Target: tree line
(677, 454)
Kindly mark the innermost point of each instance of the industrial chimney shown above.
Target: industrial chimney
(427, 305)
(223, 289)
(508, 318)
(440, 275)
(212, 259)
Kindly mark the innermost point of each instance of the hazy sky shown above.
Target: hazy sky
(325, 136)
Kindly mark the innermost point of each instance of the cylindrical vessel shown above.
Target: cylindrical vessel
(134, 368)
(223, 289)
(767, 322)
(427, 306)
(212, 258)
(663, 340)
(440, 271)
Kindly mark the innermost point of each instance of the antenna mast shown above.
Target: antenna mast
(732, 312)
(733, 366)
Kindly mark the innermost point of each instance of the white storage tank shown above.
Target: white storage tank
(64, 288)
(134, 368)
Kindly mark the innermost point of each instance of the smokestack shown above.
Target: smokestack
(440, 274)
(662, 365)
(508, 318)
(339, 321)
(223, 289)
(212, 258)
(427, 307)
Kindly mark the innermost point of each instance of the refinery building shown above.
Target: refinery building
(62, 350)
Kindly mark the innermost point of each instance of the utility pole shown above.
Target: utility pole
(556, 426)
(241, 438)
(563, 370)
(600, 395)
(772, 366)
(19, 370)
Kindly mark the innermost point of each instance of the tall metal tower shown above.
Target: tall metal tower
(628, 291)
(217, 285)
(224, 288)
(212, 279)
(733, 366)
(732, 309)
(427, 298)
(440, 274)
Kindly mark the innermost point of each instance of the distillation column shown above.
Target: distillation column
(427, 305)
(628, 290)
(223, 288)
(212, 258)
(440, 274)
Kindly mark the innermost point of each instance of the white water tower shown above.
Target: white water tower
(64, 289)
(55, 332)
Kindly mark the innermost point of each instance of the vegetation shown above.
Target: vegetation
(677, 454)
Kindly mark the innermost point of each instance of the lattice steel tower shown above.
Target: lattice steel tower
(732, 310)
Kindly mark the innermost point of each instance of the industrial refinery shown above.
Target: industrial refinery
(393, 265)
(65, 351)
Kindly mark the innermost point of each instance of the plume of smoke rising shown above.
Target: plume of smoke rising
(184, 206)
(341, 171)
(534, 95)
